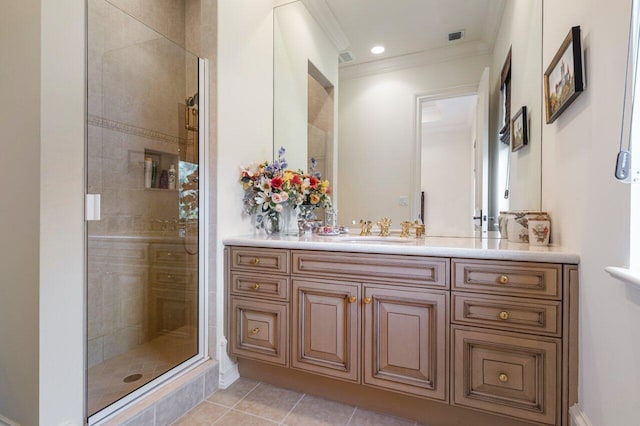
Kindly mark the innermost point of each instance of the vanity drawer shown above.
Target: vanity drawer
(508, 313)
(259, 330)
(508, 278)
(507, 374)
(260, 285)
(257, 259)
(170, 254)
(407, 269)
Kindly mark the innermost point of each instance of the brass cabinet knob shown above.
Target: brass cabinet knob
(256, 261)
(367, 300)
(503, 378)
(503, 279)
(352, 299)
(255, 331)
(504, 315)
(256, 286)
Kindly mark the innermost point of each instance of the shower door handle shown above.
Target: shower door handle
(92, 207)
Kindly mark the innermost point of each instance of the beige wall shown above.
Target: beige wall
(590, 210)
(61, 213)
(19, 209)
(245, 120)
(520, 31)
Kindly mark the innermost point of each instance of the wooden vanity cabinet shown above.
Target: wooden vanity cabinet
(400, 304)
(510, 334)
(494, 336)
(258, 304)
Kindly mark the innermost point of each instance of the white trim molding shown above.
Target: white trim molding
(578, 417)
(426, 57)
(321, 11)
(625, 275)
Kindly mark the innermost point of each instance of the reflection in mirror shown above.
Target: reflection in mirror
(416, 130)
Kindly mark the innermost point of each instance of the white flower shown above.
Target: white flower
(278, 207)
(261, 198)
(284, 196)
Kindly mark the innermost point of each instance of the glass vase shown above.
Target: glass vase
(289, 219)
(306, 216)
(271, 223)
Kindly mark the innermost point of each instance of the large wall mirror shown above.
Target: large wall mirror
(423, 129)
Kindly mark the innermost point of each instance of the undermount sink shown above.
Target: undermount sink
(375, 239)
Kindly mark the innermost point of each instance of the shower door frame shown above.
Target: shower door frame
(203, 269)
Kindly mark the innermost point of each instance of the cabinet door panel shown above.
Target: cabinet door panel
(259, 330)
(506, 373)
(405, 343)
(326, 328)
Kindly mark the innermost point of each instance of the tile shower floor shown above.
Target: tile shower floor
(150, 360)
(250, 403)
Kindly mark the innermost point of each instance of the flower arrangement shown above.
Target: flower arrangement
(270, 187)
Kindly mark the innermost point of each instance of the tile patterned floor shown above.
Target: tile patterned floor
(251, 403)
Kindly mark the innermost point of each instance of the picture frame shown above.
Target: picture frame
(519, 130)
(564, 78)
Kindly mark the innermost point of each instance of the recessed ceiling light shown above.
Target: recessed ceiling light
(376, 50)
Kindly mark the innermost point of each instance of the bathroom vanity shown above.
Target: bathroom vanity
(471, 323)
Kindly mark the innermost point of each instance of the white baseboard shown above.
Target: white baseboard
(229, 372)
(7, 422)
(578, 417)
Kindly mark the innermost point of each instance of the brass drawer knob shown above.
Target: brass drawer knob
(256, 286)
(367, 300)
(504, 315)
(352, 299)
(255, 331)
(256, 261)
(503, 279)
(503, 378)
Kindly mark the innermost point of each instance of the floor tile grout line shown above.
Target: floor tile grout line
(282, 422)
(229, 409)
(247, 413)
(353, 413)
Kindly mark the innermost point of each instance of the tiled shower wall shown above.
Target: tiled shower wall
(320, 124)
(137, 85)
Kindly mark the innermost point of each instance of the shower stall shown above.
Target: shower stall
(146, 96)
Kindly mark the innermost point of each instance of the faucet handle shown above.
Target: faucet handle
(365, 227)
(384, 224)
(406, 229)
(420, 229)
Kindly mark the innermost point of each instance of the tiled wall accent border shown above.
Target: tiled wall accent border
(133, 130)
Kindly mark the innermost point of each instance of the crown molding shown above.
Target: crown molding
(427, 57)
(492, 28)
(322, 13)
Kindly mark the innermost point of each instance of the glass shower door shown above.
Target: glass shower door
(143, 160)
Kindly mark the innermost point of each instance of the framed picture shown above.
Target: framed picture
(519, 130)
(564, 78)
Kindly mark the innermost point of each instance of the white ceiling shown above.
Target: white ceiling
(449, 113)
(411, 26)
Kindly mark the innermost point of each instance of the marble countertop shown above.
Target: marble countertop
(471, 248)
